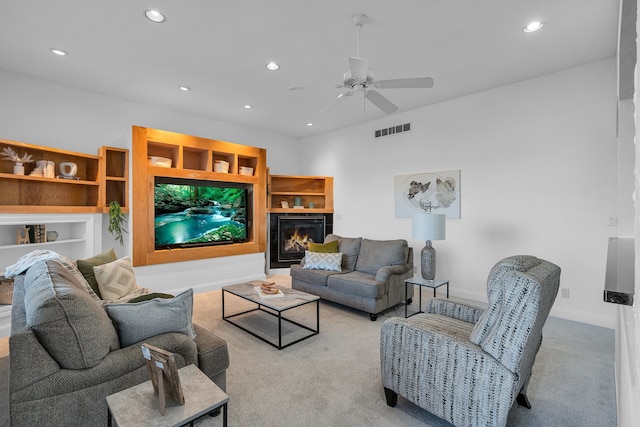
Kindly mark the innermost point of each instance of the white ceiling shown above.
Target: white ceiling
(219, 49)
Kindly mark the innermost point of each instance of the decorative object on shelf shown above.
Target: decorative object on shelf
(117, 221)
(68, 169)
(18, 168)
(440, 190)
(22, 235)
(37, 233)
(427, 226)
(297, 201)
(284, 204)
(162, 162)
(245, 170)
(6, 290)
(311, 205)
(52, 236)
(221, 166)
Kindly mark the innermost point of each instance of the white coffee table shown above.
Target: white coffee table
(138, 405)
(290, 299)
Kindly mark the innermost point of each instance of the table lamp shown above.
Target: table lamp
(428, 227)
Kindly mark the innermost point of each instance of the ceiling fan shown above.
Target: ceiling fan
(359, 78)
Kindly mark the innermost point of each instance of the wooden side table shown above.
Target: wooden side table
(420, 282)
(138, 405)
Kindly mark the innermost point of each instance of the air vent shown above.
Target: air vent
(393, 130)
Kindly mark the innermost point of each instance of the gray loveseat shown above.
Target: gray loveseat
(371, 278)
(64, 365)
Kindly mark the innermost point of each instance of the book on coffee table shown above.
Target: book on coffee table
(265, 295)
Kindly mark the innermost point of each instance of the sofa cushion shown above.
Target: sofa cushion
(115, 279)
(69, 324)
(375, 254)
(329, 247)
(86, 267)
(139, 321)
(322, 261)
(314, 277)
(349, 247)
(357, 283)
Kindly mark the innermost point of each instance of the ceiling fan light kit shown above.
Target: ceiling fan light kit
(359, 78)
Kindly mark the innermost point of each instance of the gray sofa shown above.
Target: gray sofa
(371, 278)
(65, 356)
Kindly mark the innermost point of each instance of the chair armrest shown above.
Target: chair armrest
(29, 362)
(115, 368)
(213, 354)
(461, 311)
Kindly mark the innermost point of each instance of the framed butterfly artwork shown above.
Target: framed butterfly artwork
(434, 192)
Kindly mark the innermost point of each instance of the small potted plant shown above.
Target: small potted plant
(117, 221)
(18, 168)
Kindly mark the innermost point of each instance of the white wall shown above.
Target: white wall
(538, 162)
(39, 112)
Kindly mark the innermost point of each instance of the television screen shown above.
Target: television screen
(199, 213)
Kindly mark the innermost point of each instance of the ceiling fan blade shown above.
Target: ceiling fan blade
(315, 87)
(415, 82)
(359, 68)
(380, 101)
(337, 101)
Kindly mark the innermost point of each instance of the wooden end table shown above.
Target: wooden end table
(420, 282)
(138, 405)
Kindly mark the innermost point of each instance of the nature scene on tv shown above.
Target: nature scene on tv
(198, 215)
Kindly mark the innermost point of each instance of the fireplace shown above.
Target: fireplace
(290, 234)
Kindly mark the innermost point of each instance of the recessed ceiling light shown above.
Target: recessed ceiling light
(533, 27)
(248, 107)
(185, 88)
(272, 66)
(58, 52)
(309, 124)
(155, 16)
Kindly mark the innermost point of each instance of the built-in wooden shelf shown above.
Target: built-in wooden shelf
(316, 191)
(192, 157)
(102, 178)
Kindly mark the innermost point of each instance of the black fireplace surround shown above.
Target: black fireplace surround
(289, 235)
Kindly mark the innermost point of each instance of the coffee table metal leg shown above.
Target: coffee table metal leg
(279, 330)
(108, 416)
(224, 415)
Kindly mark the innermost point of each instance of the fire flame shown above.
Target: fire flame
(297, 242)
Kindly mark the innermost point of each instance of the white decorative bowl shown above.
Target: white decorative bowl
(245, 170)
(161, 162)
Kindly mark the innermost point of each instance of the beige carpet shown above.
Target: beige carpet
(333, 379)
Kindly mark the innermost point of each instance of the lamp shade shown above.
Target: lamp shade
(428, 226)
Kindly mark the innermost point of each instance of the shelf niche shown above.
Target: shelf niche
(101, 178)
(192, 158)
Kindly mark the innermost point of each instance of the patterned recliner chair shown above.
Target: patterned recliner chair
(467, 364)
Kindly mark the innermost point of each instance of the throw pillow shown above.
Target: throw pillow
(115, 279)
(86, 267)
(140, 321)
(322, 261)
(329, 248)
(147, 297)
(70, 325)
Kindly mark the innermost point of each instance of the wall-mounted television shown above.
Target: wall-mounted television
(192, 213)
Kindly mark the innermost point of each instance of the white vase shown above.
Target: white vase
(18, 169)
